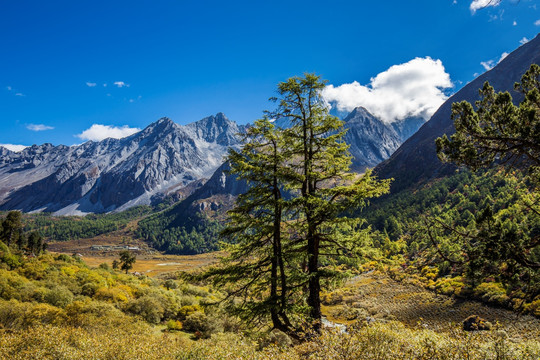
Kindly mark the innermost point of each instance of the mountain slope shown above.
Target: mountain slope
(192, 225)
(114, 173)
(416, 160)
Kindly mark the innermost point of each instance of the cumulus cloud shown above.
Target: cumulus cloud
(524, 40)
(488, 65)
(414, 88)
(480, 4)
(537, 22)
(121, 84)
(91, 84)
(38, 127)
(514, 23)
(99, 132)
(15, 148)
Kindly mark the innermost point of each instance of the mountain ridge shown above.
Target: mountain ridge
(416, 161)
(113, 174)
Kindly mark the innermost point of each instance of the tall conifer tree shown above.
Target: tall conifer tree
(319, 159)
(255, 266)
(278, 240)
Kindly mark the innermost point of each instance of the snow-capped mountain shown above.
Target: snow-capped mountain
(114, 174)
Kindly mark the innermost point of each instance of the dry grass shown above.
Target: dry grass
(157, 264)
(379, 298)
(149, 261)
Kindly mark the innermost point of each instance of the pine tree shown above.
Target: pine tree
(12, 229)
(498, 131)
(35, 243)
(505, 242)
(293, 215)
(320, 178)
(127, 259)
(255, 267)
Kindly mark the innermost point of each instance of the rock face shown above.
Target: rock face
(416, 160)
(216, 196)
(114, 174)
(371, 140)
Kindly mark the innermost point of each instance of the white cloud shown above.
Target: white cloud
(120, 84)
(488, 65)
(514, 23)
(15, 148)
(90, 84)
(38, 127)
(524, 40)
(99, 132)
(414, 88)
(537, 22)
(19, 94)
(9, 88)
(480, 4)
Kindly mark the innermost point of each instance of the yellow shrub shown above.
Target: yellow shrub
(187, 310)
(492, 292)
(114, 295)
(70, 270)
(174, 325)
(430, 273)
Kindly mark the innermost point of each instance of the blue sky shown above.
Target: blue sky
(66, 66)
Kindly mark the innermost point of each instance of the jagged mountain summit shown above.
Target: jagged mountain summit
(416, 160)
(114, 174)
(371, 140)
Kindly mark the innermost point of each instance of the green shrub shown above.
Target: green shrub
(199, 323)
(492, 292)
(148, 307)
(59, 296)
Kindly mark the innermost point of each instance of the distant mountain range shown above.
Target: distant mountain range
(415, 161)
(163, 159)
(115, 174)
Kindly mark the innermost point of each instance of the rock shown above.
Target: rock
(476, 323)
(277, 338)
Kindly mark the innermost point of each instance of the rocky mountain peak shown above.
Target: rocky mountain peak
(371, 140)
(215, 129)
(162, 125)
(359, 113)
(114, 174)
